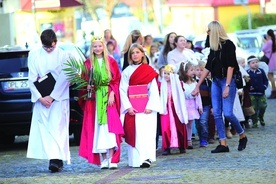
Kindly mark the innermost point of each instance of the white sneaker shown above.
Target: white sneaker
(104, 164)
(112, 165)
(250, 123)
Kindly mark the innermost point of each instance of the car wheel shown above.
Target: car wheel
(77, 135)
(7, 139)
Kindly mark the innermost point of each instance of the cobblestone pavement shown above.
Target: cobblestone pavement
(256, 164)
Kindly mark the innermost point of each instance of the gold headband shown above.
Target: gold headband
(169, 68)
(97, 38)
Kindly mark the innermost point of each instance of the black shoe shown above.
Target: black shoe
(55, 165)
(146, 164)
(190, 147)
(60, 164)
(166, 151)
(182, 150)
(262, 122)
(220, 149)
(242, 144)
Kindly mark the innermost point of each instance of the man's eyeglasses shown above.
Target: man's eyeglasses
(48, 48)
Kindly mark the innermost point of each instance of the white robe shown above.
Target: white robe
(145, 124)
(49, 133)
(103, 139)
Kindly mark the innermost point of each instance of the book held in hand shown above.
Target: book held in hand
(45, 84)
(138, 97)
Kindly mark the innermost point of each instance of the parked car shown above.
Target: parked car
(247, 31)
(263, 29)
(251, 43)
(15, 96)
(199, 41)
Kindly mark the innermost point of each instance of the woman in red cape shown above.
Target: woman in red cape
(102, 128)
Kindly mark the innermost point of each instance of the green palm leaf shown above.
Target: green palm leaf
(74, 70)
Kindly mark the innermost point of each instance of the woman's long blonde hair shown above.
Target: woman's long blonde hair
(140, 47)
(217, 35)
(104, 54)
(132, 38)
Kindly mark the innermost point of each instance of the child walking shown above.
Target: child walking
(205, 93)
(173, 112)
(102, 128)
(158, 130)
(245, 99)
(193, 103)
(140, 126)
(259, 83)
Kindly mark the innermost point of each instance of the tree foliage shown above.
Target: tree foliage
(257, 20)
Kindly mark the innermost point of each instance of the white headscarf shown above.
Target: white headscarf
(177, 96)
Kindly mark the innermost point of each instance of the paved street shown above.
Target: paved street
(256, 164)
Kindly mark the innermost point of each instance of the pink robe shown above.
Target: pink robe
(174, 133)
(113, 118)
(267, 49)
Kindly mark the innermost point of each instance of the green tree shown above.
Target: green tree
(257, 20)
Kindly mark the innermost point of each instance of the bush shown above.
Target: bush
(257, 20)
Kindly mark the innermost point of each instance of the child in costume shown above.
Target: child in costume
(140, 127)
(193, 103)
(102, 128)
(173, 112)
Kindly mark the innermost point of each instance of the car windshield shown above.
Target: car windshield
(13, 62)
(249, 42)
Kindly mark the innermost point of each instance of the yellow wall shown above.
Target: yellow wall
(27, 32)
(227, 13)
(186, 20)
(191, 20)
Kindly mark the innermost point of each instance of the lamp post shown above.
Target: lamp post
(262, 6)
(244, 4)
(145, 12)
(34, 12)
(1, 6)
(248, 15)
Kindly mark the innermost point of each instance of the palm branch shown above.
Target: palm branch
(74, 72)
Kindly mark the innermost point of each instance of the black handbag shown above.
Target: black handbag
(238, 79)
(265, 59)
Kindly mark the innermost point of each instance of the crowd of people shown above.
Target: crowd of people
(154, 92)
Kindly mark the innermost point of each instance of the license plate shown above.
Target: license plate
(16, 85)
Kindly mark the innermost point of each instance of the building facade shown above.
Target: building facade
(193, 16)
(22, 21)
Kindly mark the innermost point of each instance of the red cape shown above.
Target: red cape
(144, 74)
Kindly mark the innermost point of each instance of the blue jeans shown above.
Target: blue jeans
(202, 123)
(225, 106)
